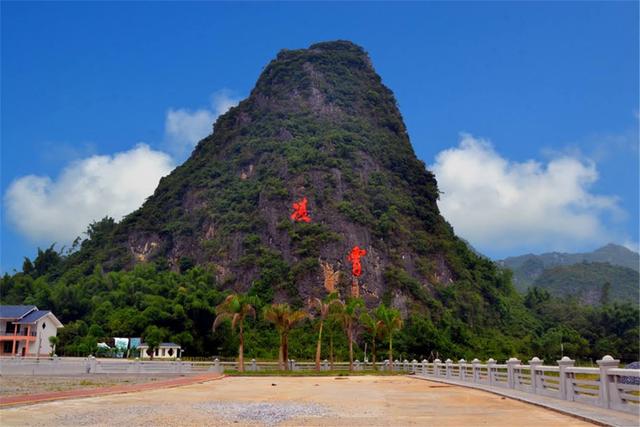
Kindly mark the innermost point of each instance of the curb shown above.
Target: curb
(26, 399)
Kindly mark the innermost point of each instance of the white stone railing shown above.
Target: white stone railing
(606, 386)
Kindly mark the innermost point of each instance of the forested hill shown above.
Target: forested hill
(591, 282)
(527, 268)
(319, 125)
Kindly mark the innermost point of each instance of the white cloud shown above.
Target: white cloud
(47, 210)
(185, 128)
(500, 204)
(631, 245)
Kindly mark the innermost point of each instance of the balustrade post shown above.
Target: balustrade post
(254, 365)
(534, 363)
(357, 365)
(448, 363)
(566, 392)
(491, 366)
(511, 372)
(424, 366)
(396, 365)
(217, 367)
(436, 367)
(93, 365)
(325, 365)
(462, 369)
(414, 362)
(405, 365)
(475, 370)
(608, 393)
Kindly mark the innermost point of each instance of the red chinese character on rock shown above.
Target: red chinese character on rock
(354, 258)
(300, 212)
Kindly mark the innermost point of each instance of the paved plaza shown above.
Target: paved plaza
(294, 401)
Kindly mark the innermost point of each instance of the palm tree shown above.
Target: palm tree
(348, 316)
(53, 341)
(236, 308)
(284, 318)
(374, 327)
(391, 323)
(322, 308)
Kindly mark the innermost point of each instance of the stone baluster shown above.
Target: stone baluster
(424, 366)
(511, 372)
(436, 367)
(491, 367)
(254, 365)
(462, 370)
(475, 370)
(566, 389)
(534, 363)
(325, 365)
(609, 396)
(448, 364)
(414, 364)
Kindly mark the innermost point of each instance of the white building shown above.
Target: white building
(166, 350)
(25, 330)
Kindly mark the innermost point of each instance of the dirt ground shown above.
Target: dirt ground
(27, 384)
(308, 401)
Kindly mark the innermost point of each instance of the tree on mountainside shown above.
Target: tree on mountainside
(284, 318)
(391, 323)
(374, 328)
(348, 316)
(236, 308)
(322, 308)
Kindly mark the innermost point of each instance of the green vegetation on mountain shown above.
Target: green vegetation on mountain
(613, 268)
(318, 124)
(591, 283)
(527, 268)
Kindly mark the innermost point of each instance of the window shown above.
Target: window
(10, 328)
(44, 325)
(7, 346)
(170, 352)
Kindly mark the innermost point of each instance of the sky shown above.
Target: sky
(528, 113)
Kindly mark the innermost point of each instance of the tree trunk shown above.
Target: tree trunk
(285, 352)
(281, 353)
(331, 350)
(319, 347)
(373, 353)
(350, 336)
(241, 350)
(391, 349)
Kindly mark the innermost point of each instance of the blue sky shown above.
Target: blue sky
(528, 112)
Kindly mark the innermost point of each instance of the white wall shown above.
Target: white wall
(42, 338)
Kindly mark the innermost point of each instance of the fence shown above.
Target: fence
(91, 365)
(606, 386)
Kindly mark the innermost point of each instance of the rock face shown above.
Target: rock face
(318, 124)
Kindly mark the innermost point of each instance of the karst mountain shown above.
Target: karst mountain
(319, 124)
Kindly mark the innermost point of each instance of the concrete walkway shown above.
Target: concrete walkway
(601, 416)
(24, 399)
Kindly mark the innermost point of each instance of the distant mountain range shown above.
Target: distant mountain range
(580, 274)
